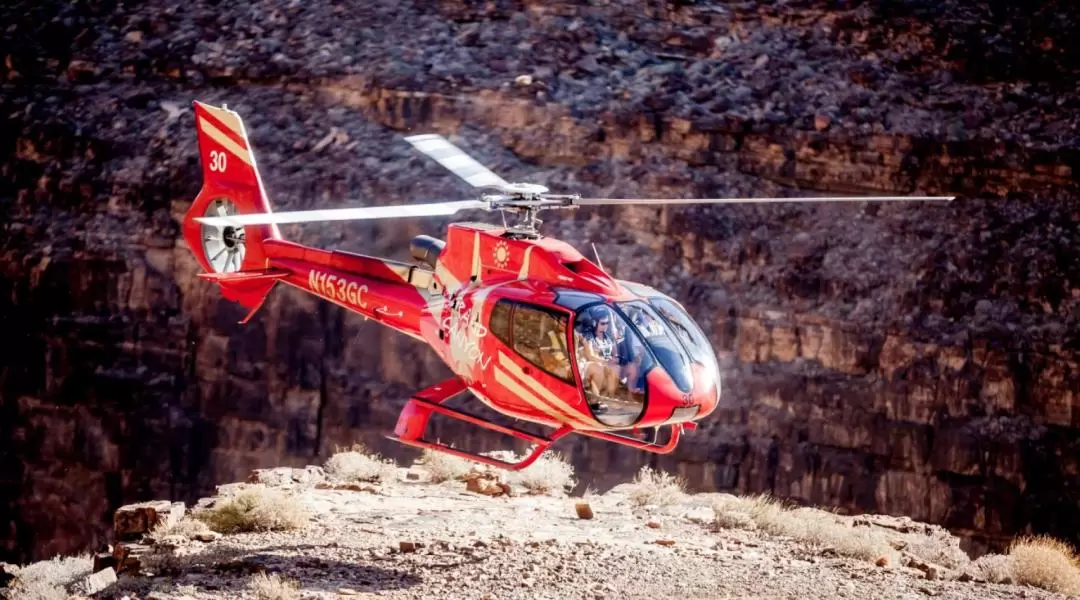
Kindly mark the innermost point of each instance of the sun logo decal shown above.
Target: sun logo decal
(502, 255)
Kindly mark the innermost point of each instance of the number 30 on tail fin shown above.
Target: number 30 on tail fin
(231, 185)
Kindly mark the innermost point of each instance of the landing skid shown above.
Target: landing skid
(414, 417)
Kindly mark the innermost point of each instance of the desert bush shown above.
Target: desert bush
(823, 530)
(1045, 562)
(274, 587)
(995, 568)
(817, 528)
(360, 465)
(445, 467)
(49, 579)
(550, 473)
(941, 549)
(254, 508)
(188, 528)
(657, 488)
(750, 512)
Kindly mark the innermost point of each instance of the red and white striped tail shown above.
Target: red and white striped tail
(231, 186)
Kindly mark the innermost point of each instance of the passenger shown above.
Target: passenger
(599, 363)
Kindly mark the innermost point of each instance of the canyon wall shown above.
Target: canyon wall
(917, 359)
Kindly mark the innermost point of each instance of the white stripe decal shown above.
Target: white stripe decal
(546, 394)
(524, 272)
(504, 379)
(476, 256)
(446, 277)
(227, 118)
(219, 136)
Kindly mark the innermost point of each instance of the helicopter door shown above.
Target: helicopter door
(532, 364)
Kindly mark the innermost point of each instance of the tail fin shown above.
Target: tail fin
(233, 257)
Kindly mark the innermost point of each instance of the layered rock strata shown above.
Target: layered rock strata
(905, 359)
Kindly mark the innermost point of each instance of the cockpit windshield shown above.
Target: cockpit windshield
(661, 341)
(691, 335)
(616, 345)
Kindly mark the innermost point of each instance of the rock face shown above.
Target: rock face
(913, 359)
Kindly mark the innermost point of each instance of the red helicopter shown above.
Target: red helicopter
(528, 325)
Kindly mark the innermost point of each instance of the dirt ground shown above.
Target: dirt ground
(409, 537)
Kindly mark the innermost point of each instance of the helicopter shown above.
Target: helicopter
(528, 325)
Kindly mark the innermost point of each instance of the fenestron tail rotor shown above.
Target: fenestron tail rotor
(526, 199)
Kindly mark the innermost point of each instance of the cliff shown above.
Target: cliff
(911, 359)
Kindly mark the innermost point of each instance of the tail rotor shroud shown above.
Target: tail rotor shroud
(223, 245)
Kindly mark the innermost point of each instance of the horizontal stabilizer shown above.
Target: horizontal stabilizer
(242, 277)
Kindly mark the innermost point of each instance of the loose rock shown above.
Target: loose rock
(132, 521)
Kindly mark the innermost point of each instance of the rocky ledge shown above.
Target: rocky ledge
(361, 527)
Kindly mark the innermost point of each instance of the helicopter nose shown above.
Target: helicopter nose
(706, 392)
(671, 402)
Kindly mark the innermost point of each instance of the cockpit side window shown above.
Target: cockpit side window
(612, 362)
(499, 322)
(538, 335)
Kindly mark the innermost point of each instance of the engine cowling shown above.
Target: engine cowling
(426, 249)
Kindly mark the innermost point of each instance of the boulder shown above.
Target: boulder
(134, 520)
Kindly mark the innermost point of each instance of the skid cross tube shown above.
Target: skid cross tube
(676, 430)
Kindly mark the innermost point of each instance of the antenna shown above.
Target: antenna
(597, 257)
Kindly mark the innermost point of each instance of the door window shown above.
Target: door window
(537, 334)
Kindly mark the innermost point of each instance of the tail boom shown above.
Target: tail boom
(387, 292)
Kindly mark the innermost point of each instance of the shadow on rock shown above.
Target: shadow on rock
(228, 571)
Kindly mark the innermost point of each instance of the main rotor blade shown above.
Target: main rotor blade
(455, 159)
(346, 214)
(600, 201)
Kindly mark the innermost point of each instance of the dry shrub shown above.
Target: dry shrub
(50, 579)
(255, 508)
(1045, 562)
(656, 488)
(751, 512)
(941, 548)
(819, 529)
(445, 467)
(274, 587)
(358, 464)
(550, 473)
(995, 568)
(186, 590)
(733, 520)
(188, 528)
(824, 530)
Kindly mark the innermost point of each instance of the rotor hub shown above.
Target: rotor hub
(229, 236)
(524, 190)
